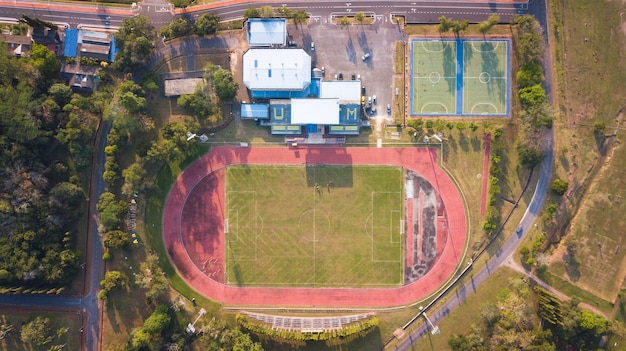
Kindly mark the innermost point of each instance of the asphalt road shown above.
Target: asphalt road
(161, 13)
(531, 214)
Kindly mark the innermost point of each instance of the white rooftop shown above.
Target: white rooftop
(267, 31)
(344, 90)
(314, 111)
(276, 69)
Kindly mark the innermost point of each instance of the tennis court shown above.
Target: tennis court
(459, 77)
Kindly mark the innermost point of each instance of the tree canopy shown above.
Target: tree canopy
(135, 40)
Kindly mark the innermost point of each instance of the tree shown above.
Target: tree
(461, 126)
(45, 61)
(531, 43)
(223, 83)
(36, 331)
(359, 17)
(177, 28)
(300, 17)
(135, 175)
(61, 93)
(532, 96)
(114, 280)
(344, 21)
(493, 19)
(116, 239)
(473, 127)
(444, 25)
(530, 73)
(151, 277)
(599, 127)
(529, 155)
(459, 26)
(158, 320)
(266, 11)
(109, 210)
(559, 187)
(135, 40)
(251, 12)
(207, 24)
(483, 27)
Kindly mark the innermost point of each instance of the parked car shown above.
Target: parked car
(292, 43)
(340, 76)
(369, 100)
(362, 100)
(312, 46)
(388, 109)
(358, 77)
(373, 110)
(363, 90)
(323, 70)
(374, 99)
(353, 76)
(366, 56)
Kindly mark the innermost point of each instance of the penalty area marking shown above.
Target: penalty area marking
(486, 104)
(481, 50)
(434, 103)
(429, 50)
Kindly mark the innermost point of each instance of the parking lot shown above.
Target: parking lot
(340, 50)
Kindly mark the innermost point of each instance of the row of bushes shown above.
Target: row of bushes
(492, 214)
(361, 328)
(24, 290)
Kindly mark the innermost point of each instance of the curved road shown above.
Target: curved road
(76, 16)
(539, 10)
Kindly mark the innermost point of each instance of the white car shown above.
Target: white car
(374, 99)
(369, 100)
(366, 56)
(312, 46)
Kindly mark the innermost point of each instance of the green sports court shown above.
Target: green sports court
(460, 77)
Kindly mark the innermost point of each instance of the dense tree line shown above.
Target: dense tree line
(45, 131)
(509, 323)
(536, 112)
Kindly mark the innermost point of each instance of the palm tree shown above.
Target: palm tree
(300, 16)
(360, 17)
(344, 21)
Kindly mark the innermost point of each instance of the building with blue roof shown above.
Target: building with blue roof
(267, 32)
(293, 100)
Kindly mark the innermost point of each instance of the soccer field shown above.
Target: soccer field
(283, 230)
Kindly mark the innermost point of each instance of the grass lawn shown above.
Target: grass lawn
(58, 320)
(282, 231)
(460, 319)
(597, 231)
(588, 42)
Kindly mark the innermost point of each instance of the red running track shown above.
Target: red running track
(195, 243)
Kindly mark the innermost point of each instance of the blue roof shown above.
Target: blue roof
(260, 111)
(280, 114)
(114, 49)
(267, 31)
(279, 94)
(71, 43)
(349, 114)
(314, 87)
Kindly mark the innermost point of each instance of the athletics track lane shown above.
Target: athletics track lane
(420, 160)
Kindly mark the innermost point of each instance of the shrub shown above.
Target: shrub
(559, 187)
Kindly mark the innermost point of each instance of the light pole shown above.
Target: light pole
(434, 328)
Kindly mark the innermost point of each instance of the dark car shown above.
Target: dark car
(340, 76)
(363, 90)
(292, 43)
(353, 76)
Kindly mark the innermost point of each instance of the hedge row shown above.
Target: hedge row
(361, 327)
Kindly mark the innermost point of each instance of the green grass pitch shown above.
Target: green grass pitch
(282, 231)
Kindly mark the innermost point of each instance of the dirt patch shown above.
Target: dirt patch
(427, 240)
